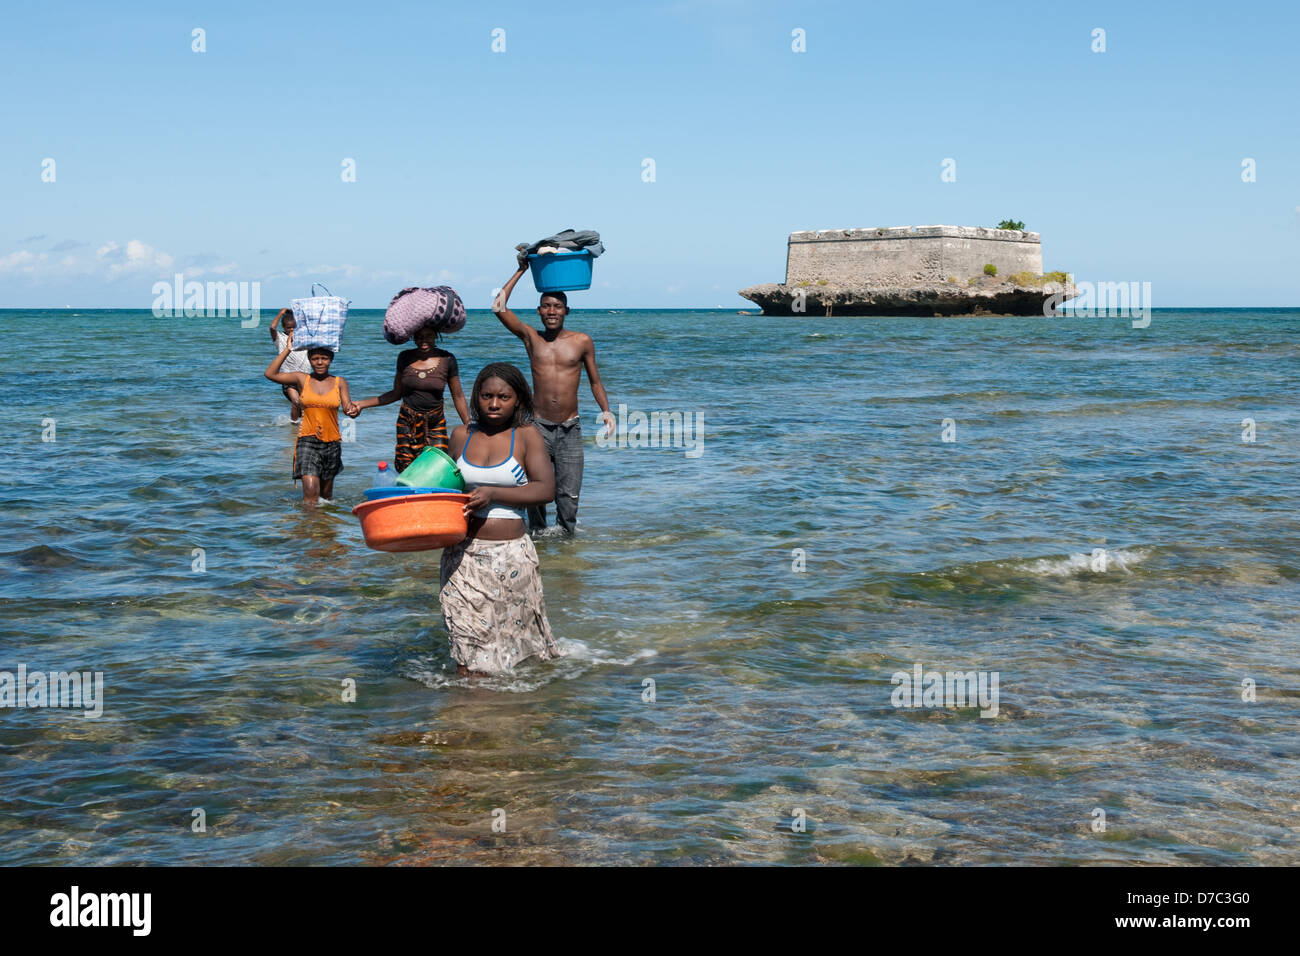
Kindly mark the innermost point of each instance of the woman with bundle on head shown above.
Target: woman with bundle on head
(491, 597)
(422, 372)
(318, 456)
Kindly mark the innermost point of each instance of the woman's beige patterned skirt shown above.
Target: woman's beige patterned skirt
(493, 606)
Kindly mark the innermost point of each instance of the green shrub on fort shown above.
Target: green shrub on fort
(1012, 224)
(1033, 280)
(990, 269)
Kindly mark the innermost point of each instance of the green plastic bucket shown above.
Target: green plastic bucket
(432, 468)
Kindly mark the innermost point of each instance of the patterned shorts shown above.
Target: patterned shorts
(493, 606)
(316, 457)
(417, 431)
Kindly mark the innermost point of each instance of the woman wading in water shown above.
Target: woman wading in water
(422, 373)
(318, 456)
(492, 602)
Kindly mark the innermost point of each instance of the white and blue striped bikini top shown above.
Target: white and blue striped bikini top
(508, 474)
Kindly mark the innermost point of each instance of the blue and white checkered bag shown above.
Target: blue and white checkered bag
(320, 320)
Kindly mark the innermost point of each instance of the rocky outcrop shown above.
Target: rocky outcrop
(988, 295)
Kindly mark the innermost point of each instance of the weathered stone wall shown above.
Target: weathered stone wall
(901, 255)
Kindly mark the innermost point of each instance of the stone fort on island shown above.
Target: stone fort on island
(910, 270)
(900, 255)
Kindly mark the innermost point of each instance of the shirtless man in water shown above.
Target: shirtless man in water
(558, 356)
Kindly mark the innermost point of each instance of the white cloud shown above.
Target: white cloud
(137, 251)
(111, 260)
(21, 261)
(136, 257)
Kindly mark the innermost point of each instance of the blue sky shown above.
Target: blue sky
(227, 164)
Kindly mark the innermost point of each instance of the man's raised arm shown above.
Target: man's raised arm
(502, 310)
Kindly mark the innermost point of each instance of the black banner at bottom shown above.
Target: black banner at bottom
(333, 906)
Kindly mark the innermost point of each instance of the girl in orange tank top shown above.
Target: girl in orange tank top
(320, 413)
(318, 456)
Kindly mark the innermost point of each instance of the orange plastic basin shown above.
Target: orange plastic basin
(413, 522)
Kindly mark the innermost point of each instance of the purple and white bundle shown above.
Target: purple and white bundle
(414, 308)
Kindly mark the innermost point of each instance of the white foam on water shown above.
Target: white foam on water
(278, 421)
(317, 612)
(578, 659)
(446, 677)
(1081, 564)
(581, 651)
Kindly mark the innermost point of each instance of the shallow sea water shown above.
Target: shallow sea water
(1119, 689)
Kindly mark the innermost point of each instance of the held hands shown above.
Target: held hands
(609, 422)
(352, 410)
(480, 497)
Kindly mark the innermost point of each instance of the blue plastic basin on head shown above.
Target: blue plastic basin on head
(565, 271)
(396, 490)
